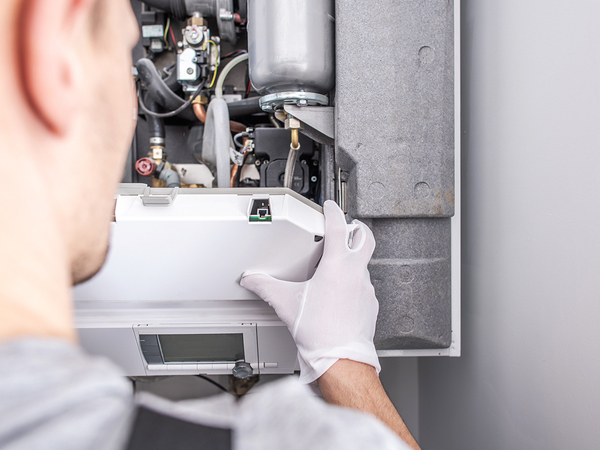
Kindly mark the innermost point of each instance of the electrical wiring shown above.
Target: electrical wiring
(167, 70)
(220, 386)
(167, 31)
(216, 60)
(145, 110)
(246, 147)
(173, 37)
(234, 53)
(237, 136)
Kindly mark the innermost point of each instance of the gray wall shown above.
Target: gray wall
(529, 377)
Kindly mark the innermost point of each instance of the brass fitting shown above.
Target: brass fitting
(200, 99)
(198, 21)
(293, 124)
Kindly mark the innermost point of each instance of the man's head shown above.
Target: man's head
(68, 117)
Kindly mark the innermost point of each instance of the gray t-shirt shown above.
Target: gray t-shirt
(54, 396)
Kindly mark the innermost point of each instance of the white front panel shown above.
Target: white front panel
(198, 247)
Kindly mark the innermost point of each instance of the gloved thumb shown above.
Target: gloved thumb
(284, 297)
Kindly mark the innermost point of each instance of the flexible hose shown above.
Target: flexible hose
(244, 107)
(217, 135)
(221, 81)
(158, 89)
(156, 125)
(200, 112)
(290, 165)
(170, 177)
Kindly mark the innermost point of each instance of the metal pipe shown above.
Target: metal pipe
(295, 142)
(290, 165)
(199, 111)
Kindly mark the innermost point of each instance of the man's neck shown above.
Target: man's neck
(35, 293)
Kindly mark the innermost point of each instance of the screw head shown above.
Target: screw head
(302, 102)
(303, 161)
(313, 179)
(190, 70)
(257, 162)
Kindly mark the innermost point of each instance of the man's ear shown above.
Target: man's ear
(51, 67)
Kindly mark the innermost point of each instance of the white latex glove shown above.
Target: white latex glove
(331, 316)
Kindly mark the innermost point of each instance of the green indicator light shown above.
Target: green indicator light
(260, 219)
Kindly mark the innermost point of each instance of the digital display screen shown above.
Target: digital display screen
(202, 347)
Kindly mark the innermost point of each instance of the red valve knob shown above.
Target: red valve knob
(145, 166)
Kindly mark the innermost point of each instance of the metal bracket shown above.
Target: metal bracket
(318, 120)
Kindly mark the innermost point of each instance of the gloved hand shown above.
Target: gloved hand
(331, 316)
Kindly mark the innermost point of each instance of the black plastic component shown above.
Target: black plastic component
(245, 107)
(272, 146)
(174, 7)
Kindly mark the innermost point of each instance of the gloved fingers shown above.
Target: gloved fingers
(261, 284)
(284, 297)
(362, 240)
(336, 230)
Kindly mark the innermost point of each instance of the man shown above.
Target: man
(66, 119)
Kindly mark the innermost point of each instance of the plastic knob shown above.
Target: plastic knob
(242, 370)
(145, 166)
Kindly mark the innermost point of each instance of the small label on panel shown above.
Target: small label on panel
(153, 31)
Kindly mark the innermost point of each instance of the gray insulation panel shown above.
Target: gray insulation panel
(410, 271)
(395, 106)
(395, 142)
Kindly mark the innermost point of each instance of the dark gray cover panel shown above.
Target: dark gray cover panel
(395, 147)
(410, 271)
(395, 106)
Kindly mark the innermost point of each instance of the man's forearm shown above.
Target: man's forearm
(357, 385)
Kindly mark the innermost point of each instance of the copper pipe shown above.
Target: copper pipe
(234, 171)
(200, 112)
(237, 127)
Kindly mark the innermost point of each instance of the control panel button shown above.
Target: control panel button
(148, 340)
(204, 367)
(175, 367)
(156, 367)
(270, 365)
(153, 359)
(220, 366)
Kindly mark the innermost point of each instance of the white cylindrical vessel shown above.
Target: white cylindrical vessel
(291, 45)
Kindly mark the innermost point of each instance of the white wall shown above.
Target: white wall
(399, 377)
(529, 377)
